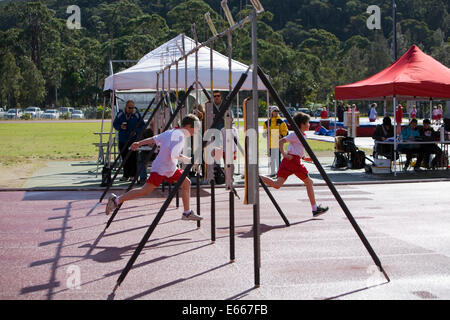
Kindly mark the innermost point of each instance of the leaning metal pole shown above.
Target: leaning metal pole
(325, 177)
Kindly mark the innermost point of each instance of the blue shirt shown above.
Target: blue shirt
(132, 120)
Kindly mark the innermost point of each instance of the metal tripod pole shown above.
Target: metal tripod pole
(324, 175)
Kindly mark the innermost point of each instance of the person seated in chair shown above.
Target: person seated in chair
(429, 134)
(381, 133)
(411, 133)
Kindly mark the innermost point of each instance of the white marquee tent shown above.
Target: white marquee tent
(143, 75)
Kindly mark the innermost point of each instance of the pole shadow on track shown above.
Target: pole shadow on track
(166, 285)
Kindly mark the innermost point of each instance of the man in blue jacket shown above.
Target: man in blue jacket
(125, 123)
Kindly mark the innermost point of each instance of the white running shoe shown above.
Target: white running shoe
(191, 216)
(111, 205)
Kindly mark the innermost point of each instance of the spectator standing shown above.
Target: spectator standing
(373, 115)
(435, 115)
(399, 118)
(217, 101)
(440, 112)
(413, 113)
(324, 113)
(277, 130)
(125, 122)
(340, 111)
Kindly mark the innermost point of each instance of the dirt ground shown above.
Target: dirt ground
(14, 176)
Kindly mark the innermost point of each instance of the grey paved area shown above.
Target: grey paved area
(87, 175)
(82, 175)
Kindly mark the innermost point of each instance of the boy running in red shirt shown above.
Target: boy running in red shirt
(164, 167)
(291, 163)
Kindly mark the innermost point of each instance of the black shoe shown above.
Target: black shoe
(124, 178)
(417, 169)
(320, 210)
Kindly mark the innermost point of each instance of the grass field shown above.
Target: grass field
(26, 147)
(22, 142)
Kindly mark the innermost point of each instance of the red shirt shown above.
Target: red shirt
(324, 114)
(398, 115)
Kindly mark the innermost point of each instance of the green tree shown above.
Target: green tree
(353, 66)
(379, 55)
(10, 80)
(182, 16)
(32, 86)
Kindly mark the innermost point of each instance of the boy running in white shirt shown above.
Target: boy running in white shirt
(164, 167)
(291, 163)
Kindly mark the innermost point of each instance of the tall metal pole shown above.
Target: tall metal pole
(210, 170)
(194, 32)
(256, 216)
(394, 107)
(394, 28)
(185, 75)
(238, 128)
(269, 123)
(229, 166)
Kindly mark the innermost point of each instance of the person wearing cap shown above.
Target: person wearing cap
(278, 129)
(126, 123)
(381, 133)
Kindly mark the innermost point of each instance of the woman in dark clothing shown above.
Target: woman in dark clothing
(383, 132)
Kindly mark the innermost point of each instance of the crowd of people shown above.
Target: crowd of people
(423, 152)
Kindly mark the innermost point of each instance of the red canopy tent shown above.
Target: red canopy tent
(415, 75)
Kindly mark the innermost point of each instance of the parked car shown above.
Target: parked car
(77, 114)
(51, 114)
(2, 113)
(305, 110)
(237, 112)
(34, 112)
(317, 113)
(291, 111)
(65, 111)
(13, 114)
